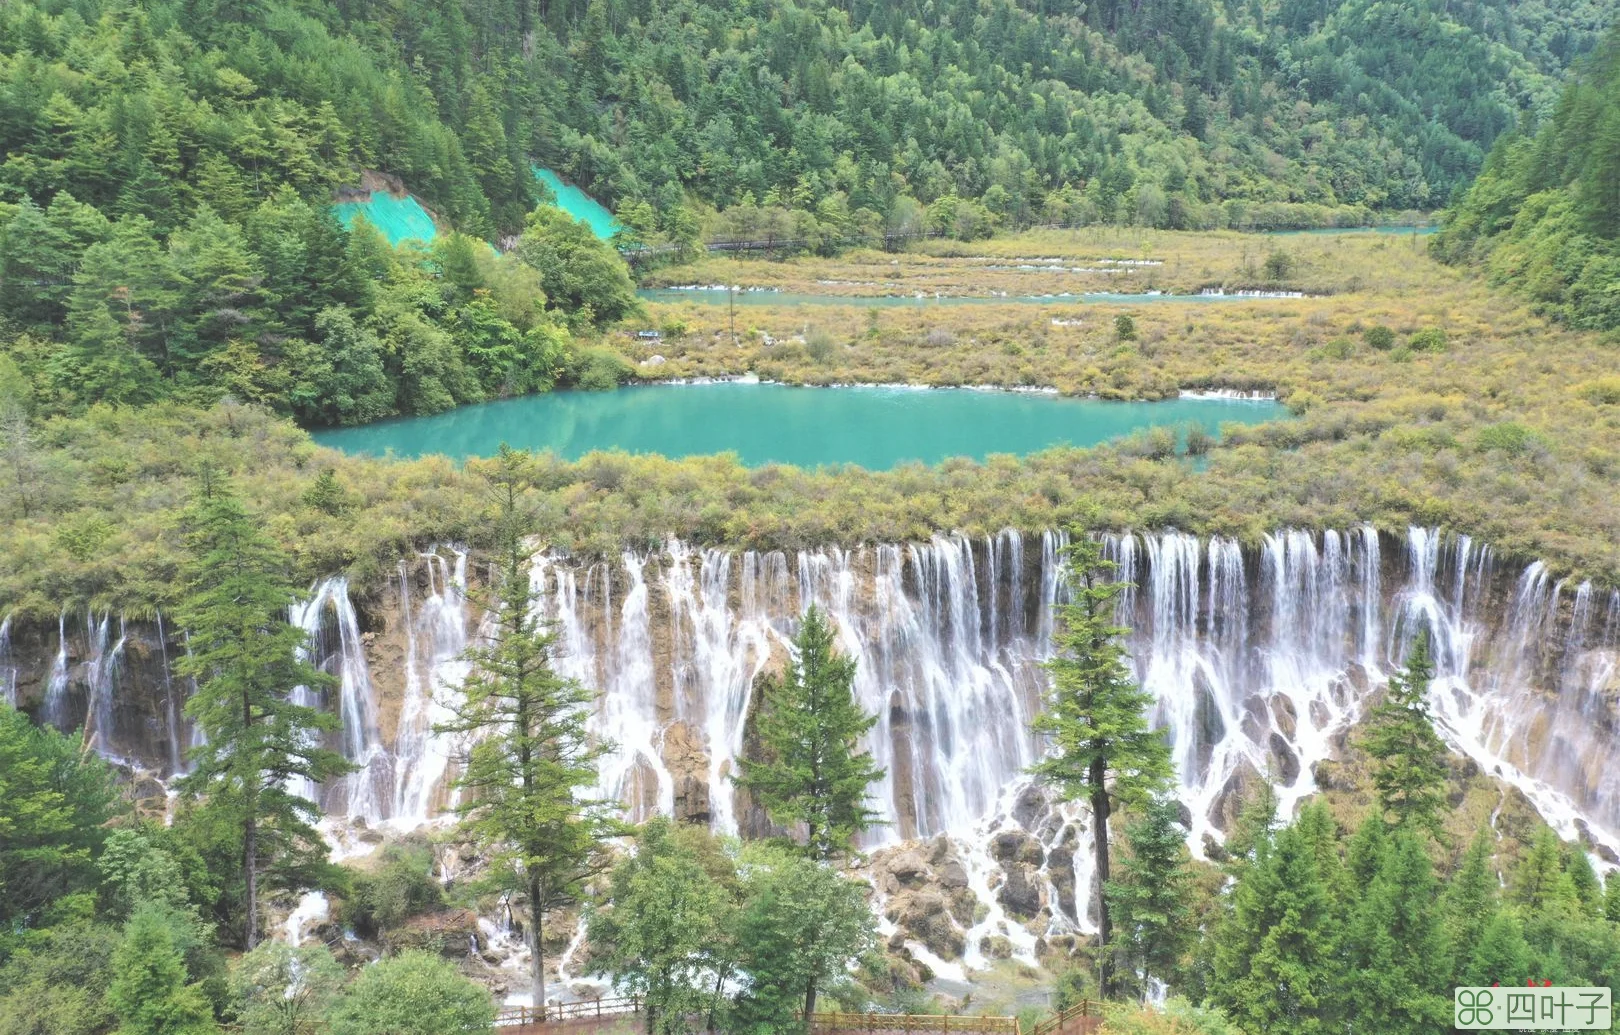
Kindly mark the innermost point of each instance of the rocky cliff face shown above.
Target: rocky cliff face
(1259, 658)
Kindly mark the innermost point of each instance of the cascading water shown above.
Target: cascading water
(1258, 660)
(333, 643)
(8, 666)
(436, 639)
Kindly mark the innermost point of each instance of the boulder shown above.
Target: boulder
(452, 933)
(1022, 895)
(925, 916)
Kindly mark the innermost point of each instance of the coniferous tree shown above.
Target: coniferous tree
(1409, 757)
(531, 755)
(1275, 965)
(813, 770)
(1149, 903)
(1390, 943)
(246, 658)
(1470, 902)
(1101, 748)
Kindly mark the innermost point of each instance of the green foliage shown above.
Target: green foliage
(812, 770)
(57, 983)
(399, 885)
(414, 993)
(579, 273)
(136, 871)
(1379, 337)
(1279, 265)
(532, 754)
(54, 798)
(1274, 957)
(244, 655)
(280, 990)
(1101, 749)
(1509, 437)
(1177, 1017)
(1150, 902)
(1124, 327)
(665, 936)
(1429, 339)
(803, 927)
(1543, 213)
(149, 992)
(1409, 759)
(1391, 940)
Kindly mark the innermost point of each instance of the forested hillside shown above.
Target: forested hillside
(1544, 214)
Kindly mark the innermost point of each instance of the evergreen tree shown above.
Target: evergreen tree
(1409, 757)
(54, 799)
(1470, 903)
(246, 659)
(1149, 903)
(1275, 965)
(667, 915)
(1100, 746)
(1391, 942)
(532, 755)
(1540, 883)
(149, 992)
(813, 770)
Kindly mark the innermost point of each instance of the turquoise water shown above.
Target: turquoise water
(399, 219)
(580, 205)
(875, 428)
(786, 298)
(1405, 230)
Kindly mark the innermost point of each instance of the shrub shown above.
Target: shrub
(1605, 391)
(1279, 265)
(1379, 337)
(1429, 339)
(598, 370)
(1199, 441)
(1509, 437)
(401, 886)
(1124, 327)
(1339, 348)
(414, 993)
(820, 345)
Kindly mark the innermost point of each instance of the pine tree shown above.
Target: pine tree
(246, 658)
(1539, 881)
(1149, 903)
(1101, 748)
(531, 754)
(1470, 903)
(1275, 953)
(1390, 944)
(1409, 757)
(812, 769)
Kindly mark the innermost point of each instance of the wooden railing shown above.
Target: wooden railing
(1054, 1025)
(887, 1022)
(518, 1016)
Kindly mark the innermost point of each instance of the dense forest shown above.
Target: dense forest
(1544, 214)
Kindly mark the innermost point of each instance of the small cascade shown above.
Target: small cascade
(174, 723)
(101, 681)
(8, 666)
(333, 644)
(56, 688)
(436, 639)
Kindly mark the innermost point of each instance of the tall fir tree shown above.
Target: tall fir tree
(531, 757)
(1101, 748)
(1275, 952)
(1391, 941)
(1150, 903)
(813, 770)
(1409, 757)
(246, 658)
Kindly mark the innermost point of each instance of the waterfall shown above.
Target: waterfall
(329, 611)
(101, 680)
(436, 639)
(8, 666)
(56, 688)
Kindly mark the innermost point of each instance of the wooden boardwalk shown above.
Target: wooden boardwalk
(611, 1016)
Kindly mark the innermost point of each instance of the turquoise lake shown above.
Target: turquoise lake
(872, 427)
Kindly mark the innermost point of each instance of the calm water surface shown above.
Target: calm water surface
(875, 428)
